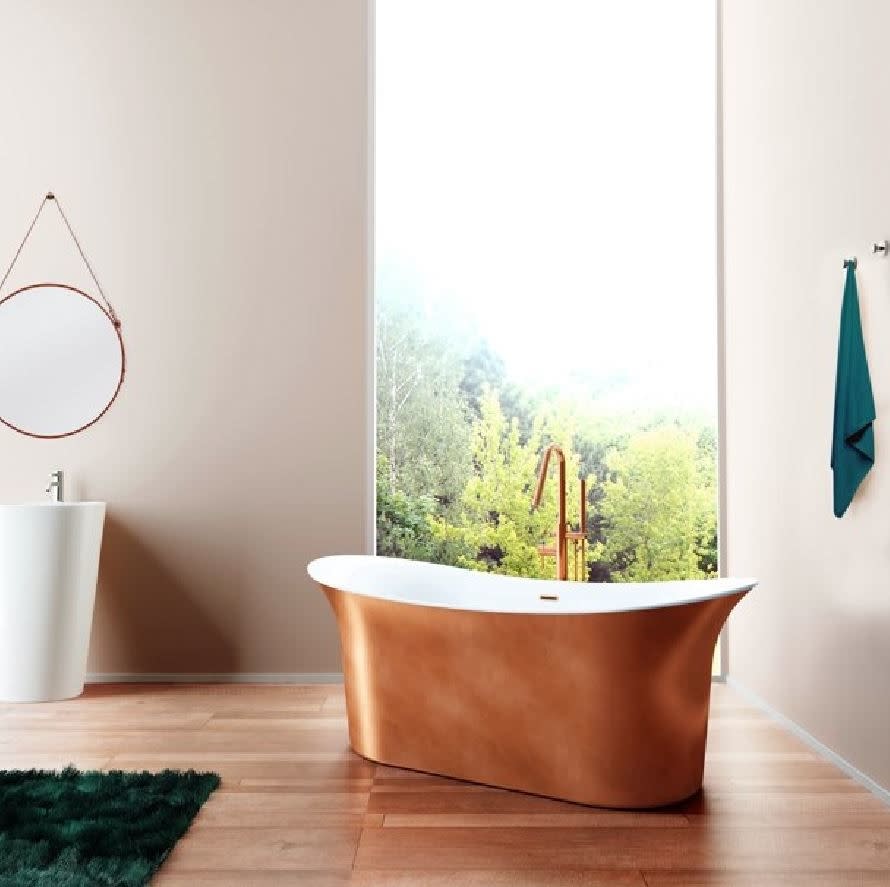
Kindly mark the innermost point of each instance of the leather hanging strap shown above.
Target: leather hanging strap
(51, 198)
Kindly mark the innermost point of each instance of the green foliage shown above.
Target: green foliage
(405, 524)
(423, 427)
(484, 372)
(657, 508)
(706, 476)
(495, 526)
(458, 450)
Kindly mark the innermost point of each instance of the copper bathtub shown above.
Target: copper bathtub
(596, 694)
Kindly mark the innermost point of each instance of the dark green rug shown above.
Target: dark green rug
(92, 829)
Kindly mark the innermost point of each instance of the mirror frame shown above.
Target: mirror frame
(115, 325)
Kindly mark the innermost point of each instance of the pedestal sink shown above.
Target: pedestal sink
(49, 564)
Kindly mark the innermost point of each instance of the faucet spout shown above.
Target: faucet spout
(562, 558)
(542, 474)
(56, 488)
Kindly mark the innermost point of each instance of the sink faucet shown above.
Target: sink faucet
(562, 559)
(56, 488)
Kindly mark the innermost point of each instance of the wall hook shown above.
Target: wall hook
(881, 246)
(851, 262)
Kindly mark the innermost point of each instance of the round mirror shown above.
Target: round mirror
(61, 360)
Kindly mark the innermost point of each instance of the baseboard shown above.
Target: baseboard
(820, 748)
(241, 677)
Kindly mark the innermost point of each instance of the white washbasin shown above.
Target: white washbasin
(49, 564)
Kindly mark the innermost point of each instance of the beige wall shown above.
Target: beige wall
(211, 155)
(807, 182)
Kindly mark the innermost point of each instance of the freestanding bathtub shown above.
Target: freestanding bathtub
(592, 693)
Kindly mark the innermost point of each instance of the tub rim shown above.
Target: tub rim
(612, 597)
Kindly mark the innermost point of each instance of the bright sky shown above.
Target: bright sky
(547, 168)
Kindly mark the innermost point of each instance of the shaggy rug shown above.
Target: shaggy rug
(92, 829)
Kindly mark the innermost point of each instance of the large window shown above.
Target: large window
(545, 273)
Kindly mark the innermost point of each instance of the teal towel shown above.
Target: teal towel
(853, 440)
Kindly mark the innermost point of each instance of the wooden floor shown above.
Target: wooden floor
(296, 807)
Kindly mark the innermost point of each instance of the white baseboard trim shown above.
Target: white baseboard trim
(163, 677)
(820, 748)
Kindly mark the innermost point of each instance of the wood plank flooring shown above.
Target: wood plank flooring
(297, 807)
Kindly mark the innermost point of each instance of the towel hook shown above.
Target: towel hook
(851, 262)
(881, 246)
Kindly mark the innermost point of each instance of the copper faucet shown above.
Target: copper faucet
(563, 534)
(562, 560)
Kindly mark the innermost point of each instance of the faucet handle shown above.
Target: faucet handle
(56, 488)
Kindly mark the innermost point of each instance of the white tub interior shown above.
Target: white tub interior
(434, 585)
